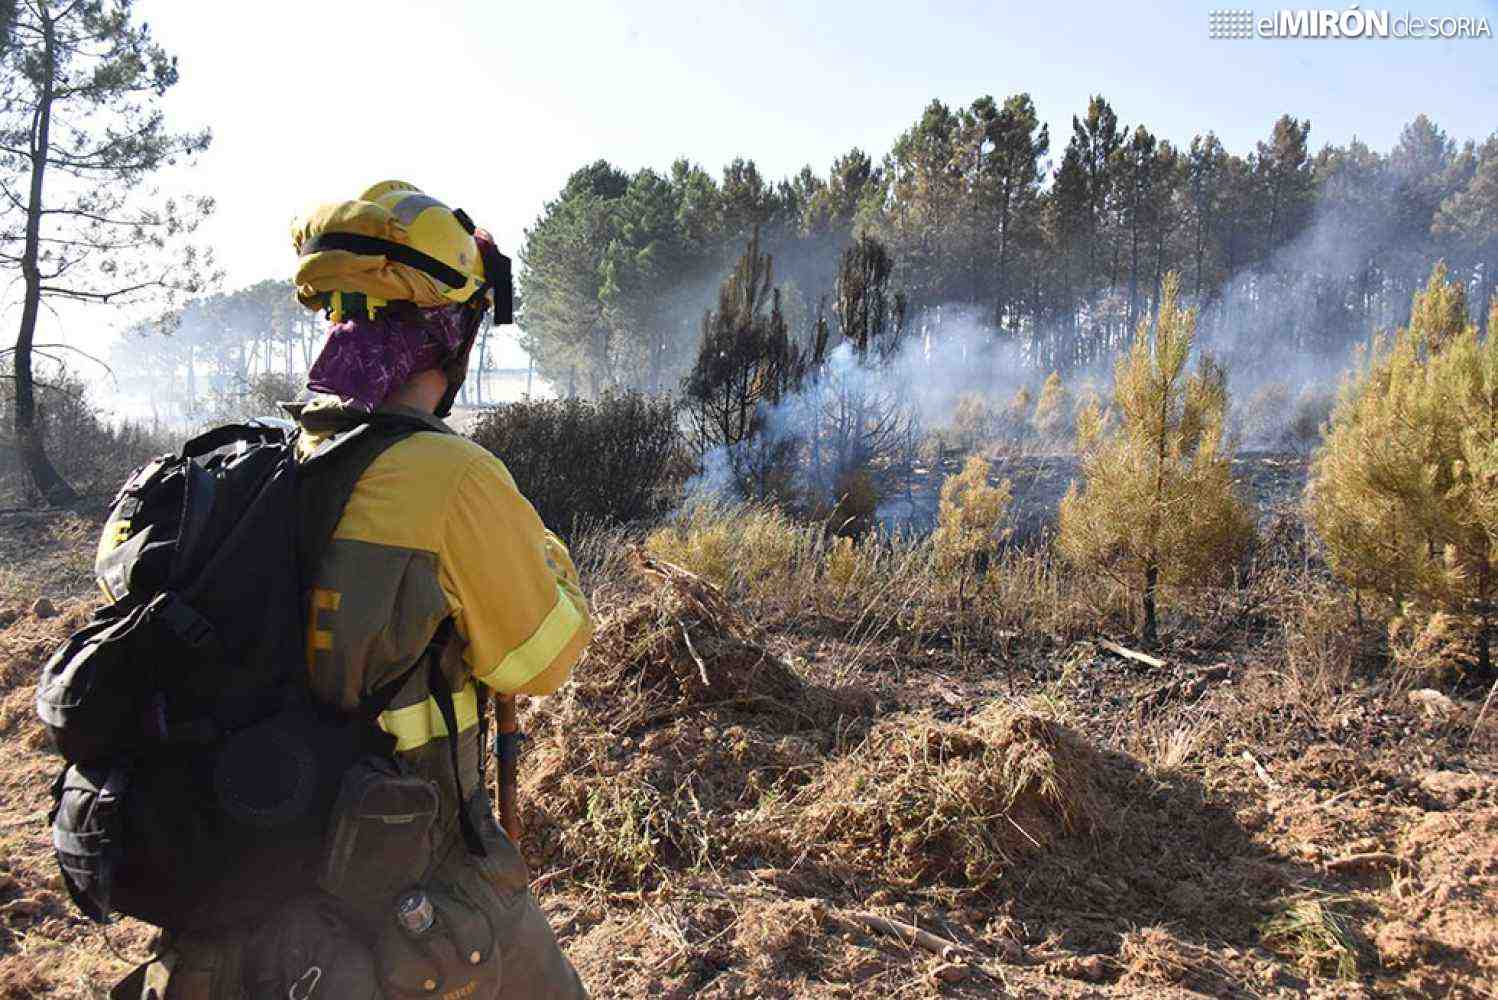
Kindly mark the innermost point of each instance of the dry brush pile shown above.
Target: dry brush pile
(694, 775)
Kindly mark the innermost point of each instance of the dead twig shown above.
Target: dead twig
(950, 951)
(686, 635)
(1260, 771)
(1131, 654)
(1483, 713)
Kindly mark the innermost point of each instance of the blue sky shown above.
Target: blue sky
(489, 105)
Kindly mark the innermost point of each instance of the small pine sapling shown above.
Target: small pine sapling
(1157, 506)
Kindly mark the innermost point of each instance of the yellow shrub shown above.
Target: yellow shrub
(970, 516)
(699, 542)
(1404, 489)
(974, 421)
(1053, 410)
(747, 549)
(849, 566)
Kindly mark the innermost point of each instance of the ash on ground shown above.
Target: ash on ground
(1272, 481)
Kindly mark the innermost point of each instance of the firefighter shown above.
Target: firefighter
(435, 540)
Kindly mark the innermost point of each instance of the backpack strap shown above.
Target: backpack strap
(327, 482)
(228, 434)
(442, 694)
(328, 476)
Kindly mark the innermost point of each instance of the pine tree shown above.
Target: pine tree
(747, 364)
(1015, 419)
(1053, 410)
(970, 520)
(1468, 219)
(1157, 506)
(1404, 490)
(81, 131)
(973, 421)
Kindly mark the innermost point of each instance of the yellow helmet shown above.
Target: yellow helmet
(395, 243)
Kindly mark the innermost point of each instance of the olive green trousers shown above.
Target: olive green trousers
(306, 953)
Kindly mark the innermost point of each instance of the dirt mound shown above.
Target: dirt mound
(679, 722)
(921, 800)
(27, 639)
(682, 647)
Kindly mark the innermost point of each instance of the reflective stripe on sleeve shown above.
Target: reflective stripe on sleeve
(419, 724)
(536, 653)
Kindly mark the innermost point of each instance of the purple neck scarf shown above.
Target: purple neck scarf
(365, 360)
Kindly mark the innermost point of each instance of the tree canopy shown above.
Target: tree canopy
(81, 134)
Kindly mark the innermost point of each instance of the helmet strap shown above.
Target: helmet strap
(455, 368)
(498, 277)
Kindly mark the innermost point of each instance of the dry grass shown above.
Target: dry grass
(886, 589)
(1315, 933)
(1153, 957)
(774, 727)
(919, 801)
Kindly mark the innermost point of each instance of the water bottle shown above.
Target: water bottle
(414, 911)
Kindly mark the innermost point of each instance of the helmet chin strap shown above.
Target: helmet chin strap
(455, 368)
(454, 384)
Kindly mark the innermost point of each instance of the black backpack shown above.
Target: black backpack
(200, 769)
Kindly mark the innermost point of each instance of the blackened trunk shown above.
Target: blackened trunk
(1484, 651)
(1151, 582)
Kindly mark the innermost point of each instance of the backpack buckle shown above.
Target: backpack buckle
(185, 623)
(306, 985)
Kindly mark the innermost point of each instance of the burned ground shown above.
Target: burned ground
(737, 787)
(1270, 480)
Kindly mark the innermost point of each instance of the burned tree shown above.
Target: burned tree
(872, 317)
(859, 419)
(747, 365)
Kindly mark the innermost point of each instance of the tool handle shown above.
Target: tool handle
(507, 737)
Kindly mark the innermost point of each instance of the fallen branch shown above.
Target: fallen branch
(1188, 687)
(951, 972)
(1368, 860)
(1131, 654)
(25, 821)
(1482, 714)
(950, 951)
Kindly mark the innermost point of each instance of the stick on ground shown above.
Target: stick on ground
(1486, 702)
(1131, 654)
(951, 951)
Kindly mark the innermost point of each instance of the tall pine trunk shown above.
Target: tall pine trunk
(29, 442)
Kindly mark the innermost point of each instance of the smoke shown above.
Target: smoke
(1288, 328)
(1286, 325)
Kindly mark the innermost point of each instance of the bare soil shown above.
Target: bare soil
(714, 807)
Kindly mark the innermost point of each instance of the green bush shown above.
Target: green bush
(612, 460)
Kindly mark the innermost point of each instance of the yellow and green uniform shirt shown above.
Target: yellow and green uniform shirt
(436, 528)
